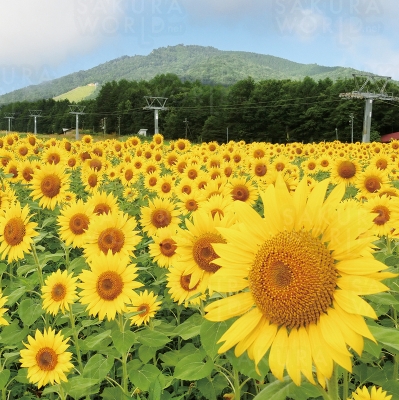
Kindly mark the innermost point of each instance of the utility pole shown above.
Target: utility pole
(156, 104)
(186, 122)
(380, 82)
(77, 110)
(336, 133)
(351, 116)
(35, 114)
(9, 116)
(119, 125)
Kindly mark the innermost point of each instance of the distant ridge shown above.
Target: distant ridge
(206, 64)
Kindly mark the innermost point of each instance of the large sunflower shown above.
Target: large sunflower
(160, 213)
(59, 291)
(46, 358)
(16, 232)
(49, 185)
(300, 272)
(146, 304)
(74, 221)
(111, 232)
(108, 286)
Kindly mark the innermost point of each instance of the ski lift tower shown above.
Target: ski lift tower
(9, 116)
(35, 114)
(156, 104)
(380, 82)
(77, 110)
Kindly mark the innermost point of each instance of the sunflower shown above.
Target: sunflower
(194, 245)
(160, 213)
(217, 205)
(129, 174)
(46, 358)
(163, 250)
(58, 292)
(300, 272)
(258, 168)
(165, 186)
(371, 393)
(310, 166)
(178, 283)
(49, 185)
(92, 179)
(111, 232)
(146, 305)
(54, 155)
(130, 194)
(386, 212)
(345, 170)
(103, 202)
(371, 181)
(16, 232)
(188, 203)
(26, 170)
(3, 300)
(108, 286)
(73, 222)
(242, 189)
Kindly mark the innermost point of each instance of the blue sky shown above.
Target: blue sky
(47, 39)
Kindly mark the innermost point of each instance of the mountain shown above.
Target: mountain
(206, 64)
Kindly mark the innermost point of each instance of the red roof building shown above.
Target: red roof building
(390, 136)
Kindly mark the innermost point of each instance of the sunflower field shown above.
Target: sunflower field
(159, 270)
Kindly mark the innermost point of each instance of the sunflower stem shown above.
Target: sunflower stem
(345, 385)
(237, 386)
(333, 384)
(75, 339)
(123, 358)
(396, 355)
(39, 269)
(61, 393)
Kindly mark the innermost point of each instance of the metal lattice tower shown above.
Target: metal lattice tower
(9, 116)
(380, 82)
(77, 110)
(156, 104)
(35, 114)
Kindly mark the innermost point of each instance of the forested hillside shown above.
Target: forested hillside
(268, 110)
(189, 63)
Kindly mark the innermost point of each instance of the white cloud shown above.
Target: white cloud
(47, 32)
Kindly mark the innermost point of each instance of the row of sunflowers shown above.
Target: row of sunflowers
(176, 270)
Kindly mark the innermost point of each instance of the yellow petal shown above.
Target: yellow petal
(229, 307)
(360, 266)
(278, 353)
(305, 354)
(332, 334)
(293, 357)
(263, 342)
(361, 285)
(322, 360)
(247, 341)
(353, 304)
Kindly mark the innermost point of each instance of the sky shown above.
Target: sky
(46, 39)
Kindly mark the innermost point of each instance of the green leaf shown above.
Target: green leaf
(143, 377)
(211, 388)
(171, 358)
(13, 335)
(114, 393)
(30, 310)
(388, 337)
(247, 366)
(77, 264)
(4, 376)
(280, 390)
(133, 365)
(391, 261)
(383, 298)
(152, 338)
(192, 367)
(78, 387)
(98, 367)
(123, 341)
(14, 294)
(146, 353)
(3, 268)
(96, 342)
(210, 333)
(189, 328)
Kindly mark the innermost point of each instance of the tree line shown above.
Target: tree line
(270, 110)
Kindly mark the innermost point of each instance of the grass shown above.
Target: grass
(77, 94)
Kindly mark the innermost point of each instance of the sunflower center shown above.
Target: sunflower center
(240, 192)
(381, 163)
(23, 151)
(71, 162)
(185, 283)
(95, 164)
(311, 166)
(372, 184)
(260, 170)
(166, 187)
(152, 181)
(128, 174)
(144, 309)
(79, 223)
(92, 180)
(54, 158)
(293, 279)
(14, 231)
(58, 292)
(203, 252)
(192, 174)
(51, 185)
(191, 205)
(27, 174)
(346, 169)
(280, 166)
(383, 215)
(186, 189)
(161, 218)
(111, 239)
(102, 208)
(168, 247)
(46, 359)
(109, 285)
